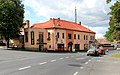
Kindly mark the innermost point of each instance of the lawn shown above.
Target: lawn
(116, 55)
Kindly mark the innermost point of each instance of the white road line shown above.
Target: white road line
(42, 63)
(53, 60)
(75, 73)
(98, 60)
(72, 56)
(61, 58)
(86, 62)
(66, 57)
(89, 60)
(24, 68)
(79, 58)
(81, 67)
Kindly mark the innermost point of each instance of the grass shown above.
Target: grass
(116, 55)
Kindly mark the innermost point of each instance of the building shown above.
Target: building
(57, 34)
(107, 44)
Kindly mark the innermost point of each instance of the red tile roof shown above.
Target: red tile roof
(57, 23)
(104, 41)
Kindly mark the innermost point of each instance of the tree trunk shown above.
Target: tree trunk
(7, 42)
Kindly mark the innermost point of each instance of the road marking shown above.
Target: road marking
(53, 60)
(72, 56)
(75, 73)
(79, 58)
(61, 58)
(89, 60)
(98, 60)
(24, 68)
(81, 67)
(66, 57)
(86, 62)
(42, 63)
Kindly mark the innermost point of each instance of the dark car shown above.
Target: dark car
(2, 44)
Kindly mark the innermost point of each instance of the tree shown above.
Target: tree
(113, 32)
(11, 18)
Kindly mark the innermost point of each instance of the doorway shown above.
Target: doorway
(70, 46)
(77, 47)
(60, 47)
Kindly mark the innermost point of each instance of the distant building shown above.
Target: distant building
(57, 34)
(107, 44)
(104, 41)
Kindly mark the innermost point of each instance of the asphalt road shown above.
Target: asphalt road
(36, 63)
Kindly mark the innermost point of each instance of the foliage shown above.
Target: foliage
(108, 1)
(113, 32)
(11, 18)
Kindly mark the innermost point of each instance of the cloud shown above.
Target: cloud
(27, 12)
(92, 13)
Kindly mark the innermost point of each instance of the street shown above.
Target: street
(37, 63)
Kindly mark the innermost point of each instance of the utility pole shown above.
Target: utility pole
(75, 15)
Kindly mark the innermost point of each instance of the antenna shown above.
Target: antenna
(75, 14)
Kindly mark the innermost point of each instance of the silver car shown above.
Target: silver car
(92, 51)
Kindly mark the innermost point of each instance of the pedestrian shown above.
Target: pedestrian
(107, 50)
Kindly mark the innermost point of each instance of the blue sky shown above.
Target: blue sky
(92, 13)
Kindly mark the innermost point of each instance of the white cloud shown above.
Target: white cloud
(27, 12)
(90, 12)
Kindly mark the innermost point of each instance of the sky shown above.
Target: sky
(93, 14)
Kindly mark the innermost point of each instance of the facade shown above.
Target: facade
(107, 44)
(57, 34)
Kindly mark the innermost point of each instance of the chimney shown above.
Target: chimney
(50, 18)
(80, 23)
(58, 18)
(27, 23)
(58, 22)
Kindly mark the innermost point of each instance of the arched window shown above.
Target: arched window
(32, 38)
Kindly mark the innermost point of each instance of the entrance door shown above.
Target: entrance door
(77, 46)
(60, 47)
(70, 46)
(41, 47)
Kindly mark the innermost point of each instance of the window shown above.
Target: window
(49, 46)
(63, 35)
(32, 38)
(93, 38)
(57, 34)
(26, 36)
(69, 36)
(90, 37)
(48, 36)
(41, 40)
(74, 36)
(85, 46)
(78, 36)
(84, 37)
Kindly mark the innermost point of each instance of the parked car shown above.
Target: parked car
(92, 51)
(2, 44)
(101, 51)
(118, 48)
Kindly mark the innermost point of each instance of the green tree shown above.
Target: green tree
(113, 32)
(11, 18)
